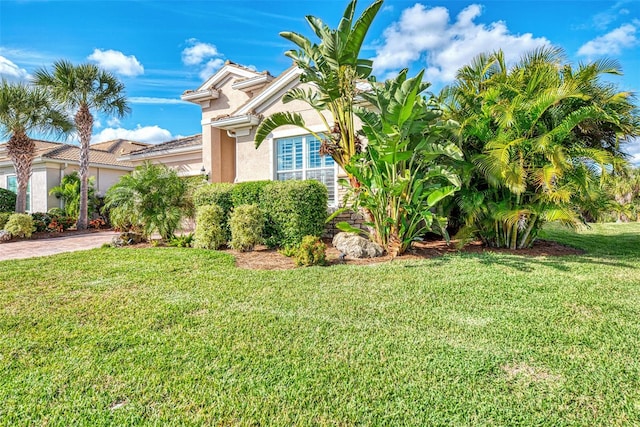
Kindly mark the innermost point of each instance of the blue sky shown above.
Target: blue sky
(159, 49)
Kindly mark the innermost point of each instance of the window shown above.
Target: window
(12, 185)
(298, 158)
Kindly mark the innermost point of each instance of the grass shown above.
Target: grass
(170, 336)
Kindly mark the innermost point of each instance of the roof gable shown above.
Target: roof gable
(229, 69)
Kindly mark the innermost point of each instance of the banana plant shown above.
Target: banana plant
(333, 69)
(402, 174)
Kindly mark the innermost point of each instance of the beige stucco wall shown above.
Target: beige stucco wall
(186, 163)
(47, 175)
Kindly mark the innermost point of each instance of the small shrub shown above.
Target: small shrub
(294, 209)
(4, 217)
(209, 227)
(248, 193)
(184, 241)
(218, 193)
(312, 251)
(97, 223)
(246, 223)
(41, 221)
(56, 212)
(20, 225)
(7, 200)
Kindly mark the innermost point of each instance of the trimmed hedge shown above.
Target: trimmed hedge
(246, 223)
(209, 232)
(218, 194)
(7, 200)
(294, 209)
(248, 193)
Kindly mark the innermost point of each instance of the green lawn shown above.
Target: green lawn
(169, 336)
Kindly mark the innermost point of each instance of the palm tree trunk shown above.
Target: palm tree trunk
(20, 149)
(84, 124)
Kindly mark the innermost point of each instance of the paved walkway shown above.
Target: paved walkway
(43, 247)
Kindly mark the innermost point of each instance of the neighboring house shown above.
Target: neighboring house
(53, 160)
(183, 154)
(234, 101)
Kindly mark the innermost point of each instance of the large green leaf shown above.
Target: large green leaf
(275, 121)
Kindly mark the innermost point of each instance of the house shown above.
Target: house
(233, 102)
(182, 154)
(53, 160)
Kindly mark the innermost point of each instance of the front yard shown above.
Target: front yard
(169, 336)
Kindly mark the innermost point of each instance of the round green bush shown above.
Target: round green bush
(312, 251)
(209, 232)
(7, 200)
(246, 223)
(20, 225)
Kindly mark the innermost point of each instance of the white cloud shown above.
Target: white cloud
(611, 43)
(632, 148)
(211, 67)
(113, 122)
(150, 134)
(198, 52)
(113, 60)
(11, 72)
(154, 100)
(426, 34)
(203, 55)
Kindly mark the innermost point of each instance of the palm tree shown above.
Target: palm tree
(84, 88)
(333, 68)
(152, 198)
(25, 109)
(537, 136)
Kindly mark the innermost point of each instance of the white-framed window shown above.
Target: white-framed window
(297, 158)
(12, 185)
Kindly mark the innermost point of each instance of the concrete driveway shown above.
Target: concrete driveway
(44, 247)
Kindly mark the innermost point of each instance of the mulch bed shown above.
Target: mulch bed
(263, 258)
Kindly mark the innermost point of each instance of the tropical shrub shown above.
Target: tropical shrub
(20, 225)
(69, 192)
(183, 241)
(246, 223)
(41, 221)
(294, 209)
(4, 217)
(401, 174)
(333, 69)
(535, 137)
(312, 251)
(7, 200)
(151, 199)
(209, 233)
(248, 193)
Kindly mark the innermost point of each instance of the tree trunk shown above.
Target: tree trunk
(20, 149)
(84, 124)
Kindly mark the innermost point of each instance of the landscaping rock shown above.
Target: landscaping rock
(128, 238)
(356, 246)
(5, 236)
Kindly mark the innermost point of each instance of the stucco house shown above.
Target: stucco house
(233, 101)
(53, 160)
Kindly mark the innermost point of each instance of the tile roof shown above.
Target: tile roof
(119, 146)
(71, 153)
(188, 141)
